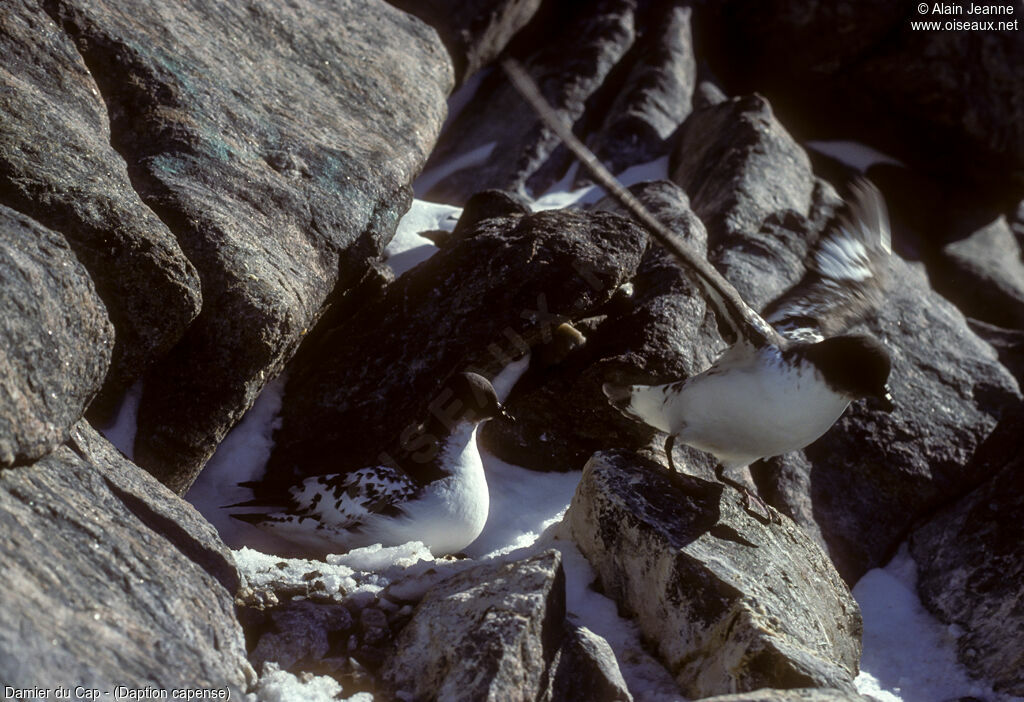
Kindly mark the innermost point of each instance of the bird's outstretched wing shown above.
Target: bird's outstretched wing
(341, 501)
(847, 274)
(719, 292)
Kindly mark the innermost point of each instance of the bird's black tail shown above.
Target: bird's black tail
(254, 518)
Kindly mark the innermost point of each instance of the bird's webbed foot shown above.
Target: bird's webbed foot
(763, 513)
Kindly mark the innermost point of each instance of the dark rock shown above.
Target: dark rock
(804, 695)
(725, 155)
(970, 568)
(304, 636)
(108, 577)
(578, 48)
(661, 331)
(488, 204)
(731, 601)
(281, 163)
(752, 186)
(474, 32)
(985, 275)
(873, 474)
(586, 670)
(860, 69)
(1008, 343)
(55, 339)
(489, 633)
(656, 95)
(480, 302)
(57, 165)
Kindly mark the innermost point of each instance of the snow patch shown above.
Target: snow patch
(241, 457)
(646, 678)
(407, 248)
(559, 196)
(507, 378)
(276, 685)
(524, 503)
(909, 656)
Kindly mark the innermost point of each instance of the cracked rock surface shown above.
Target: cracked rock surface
(109, 577)
(55, 339)
(730, 600)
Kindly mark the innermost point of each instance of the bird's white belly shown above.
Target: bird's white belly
(743, 415)
(450, 513)
(447, 519)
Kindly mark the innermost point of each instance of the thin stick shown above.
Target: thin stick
(746, 322)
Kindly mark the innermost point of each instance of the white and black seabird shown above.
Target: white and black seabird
(443, 502)
(770, 392)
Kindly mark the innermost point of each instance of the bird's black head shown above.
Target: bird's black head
(856, 365)
(474, 398)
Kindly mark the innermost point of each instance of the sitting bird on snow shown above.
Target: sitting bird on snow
(444, 503)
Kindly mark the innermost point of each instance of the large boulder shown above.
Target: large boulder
(731, 600)
(55, 339)
(110, 579)
(489, 633)
(970, 566)
(984, 275)
(752, 186)
(270, 141)
(497, 288)
(58, 165)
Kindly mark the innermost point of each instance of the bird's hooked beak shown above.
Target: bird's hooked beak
(504, 413)
(884, 401)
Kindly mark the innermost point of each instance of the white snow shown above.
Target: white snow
(524, 503)
(506, 379)
(276, 685)
(123, 427)
(909, 656)
(408, 249)
(558, 196)
(645, 677)
(361, 573)
(852, 153)
(242, 456)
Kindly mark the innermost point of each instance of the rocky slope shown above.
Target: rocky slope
(196, 197)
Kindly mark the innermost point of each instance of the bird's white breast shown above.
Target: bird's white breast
(752, 404)
(452, 511)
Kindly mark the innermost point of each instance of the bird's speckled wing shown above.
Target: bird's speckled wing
(847, 275)
(343, 501)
